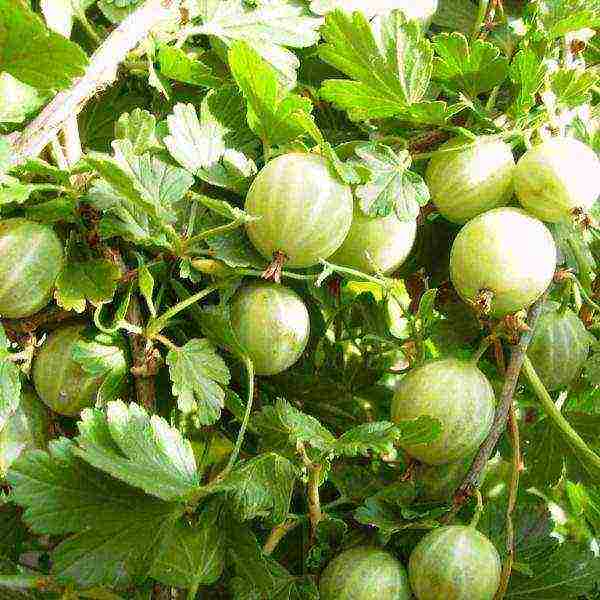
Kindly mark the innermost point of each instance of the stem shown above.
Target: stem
(161, 322)
(20, 582)
(583, 269)
(277, 534)
(483, 348)
(240, 438)
(565, 428)
(414, 330)
(354, 273)
(314, 500)
(193, 590)
(585, 295)
(72, 141)
(481, 13)
(512, 502)
(81, 16)
(101, 72)
(141, 349)
(284, 274)
(216, 231)
(166, 342)
(478, 510)
(59, 154)
(473, 479)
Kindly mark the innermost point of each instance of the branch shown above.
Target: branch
(277, 534)
(101, 72)
(314, 500)
(512, 502)
(473, 479)
(145, 361)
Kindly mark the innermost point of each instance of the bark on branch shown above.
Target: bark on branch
(101, 72)
(472, 480)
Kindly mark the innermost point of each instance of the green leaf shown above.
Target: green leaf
(105, 358)
(146, 285)
(532, 522)
(47, 60)
(284, 425)
(142, 451)
(10, 382)
(193, 554)
(249, 562)
(176, 64)
(548, 451)
(391, 187)
(117, 528)
(572, 87)
(473, 68)
(527, 72)
(17, 100)
(557, 571)
(390, 75)
(137, 192)
(53, 211)
(18, 193)
(390, 510)
(216, 147)
(427, 307)
(423, 430)
(139, 128)
(267, 26)
(216, 325)
(94, 280)
(270, 106)
(261, 487)
(585, 501)
(561, 16)
(370, 437)
(457, 15)
(199, 375)
(234, 248)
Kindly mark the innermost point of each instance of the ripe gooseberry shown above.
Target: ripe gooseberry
(61, 382)
(476, 177)
(456, 562)
(31, 256)
(458, 395)
(556, 178)
(305, 211)
(271, 323)
(376, 243)
(505, 255)
(364, 573)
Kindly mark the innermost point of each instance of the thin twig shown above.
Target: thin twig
(48, 317)
(473, 479)
(314, 500)
(101, 72)
(142, 354)
(278, 533)
(513, 428)
(72, 141)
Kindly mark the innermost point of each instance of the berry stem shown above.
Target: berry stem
(240, 439)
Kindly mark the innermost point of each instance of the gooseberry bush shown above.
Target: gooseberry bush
(299, 299)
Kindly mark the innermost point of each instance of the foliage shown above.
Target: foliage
(134, 130)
